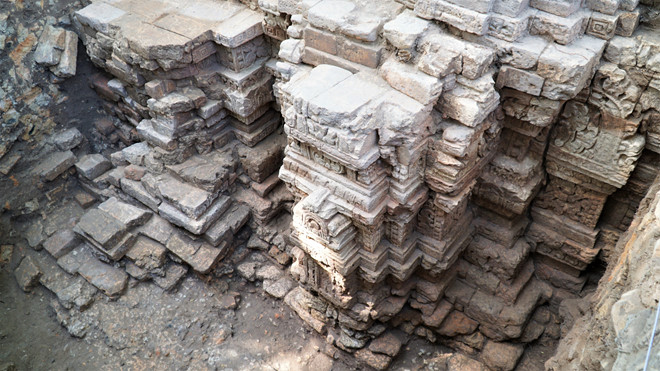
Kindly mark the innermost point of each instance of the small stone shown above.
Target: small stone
(248, 270)
(8, 162)
(6, 252)
(93, 165)
(147, 253)
(101, 227)
(127, 214)
(268, 272)
(501, 356)
(61, 243)
(158, 229)
(173, 275)
(27, 274)
(67, 63)
(279, 288)
(228, 225)
(280, 256)
(291, 50)
(159, 88)
(112, 281)
(51, 44)
(55, 164)
(134, 172)
(388, 344)
(84, 199)
(34, 235)
(457, 323)
(377, 361)
(210, 108)
(67, 139)
(230, 300)
(264, 188)
(136, 272)
(104, 126)
(257, 243)
(135, 153)
(136, 190)
(79, 293)
(221, 335)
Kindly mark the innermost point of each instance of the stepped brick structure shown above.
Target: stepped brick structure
(447, 168)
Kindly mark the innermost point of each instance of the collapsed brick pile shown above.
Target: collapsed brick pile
(191, 85)
(454, 166)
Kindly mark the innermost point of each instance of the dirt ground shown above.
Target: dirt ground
(220, 322)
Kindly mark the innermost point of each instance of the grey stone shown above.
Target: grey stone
(34, 235)
(174, 273)
(210, 108)
(101, 227)
(68, 59)
(50, 46)
(135, 153)
(112, 281)
(268, 273)
(92, 165)
(27, 274)
(55, 164)
(158, 229)
(136, 272)
(248, 270)
(147, 132)
(71, 261)
(61, 243)
(99, 16)
(129, 215)
(257, 243)
(404, 30)
(117, 86)
(195, 226)
(192, 201)
(67, 139)
(147, 253)
(228, 225)
(200, 255)
(136, 190)
(520, 80)
(279, 288)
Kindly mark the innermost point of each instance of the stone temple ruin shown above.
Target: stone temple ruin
(449, 168)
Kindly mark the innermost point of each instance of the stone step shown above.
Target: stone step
(61, 243)
(54, 165)
(71, 290)
(263, 159)
(129, 215)
(501, 321)
(195, 226)
(92, 165)
(211, 172)
(108, 227)
(136, 190)
(112, 281)
(147, 254)
(200, 255)
(498, 259)
(174, 273)
(102, 228)
(188, 199)
(228, 225)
